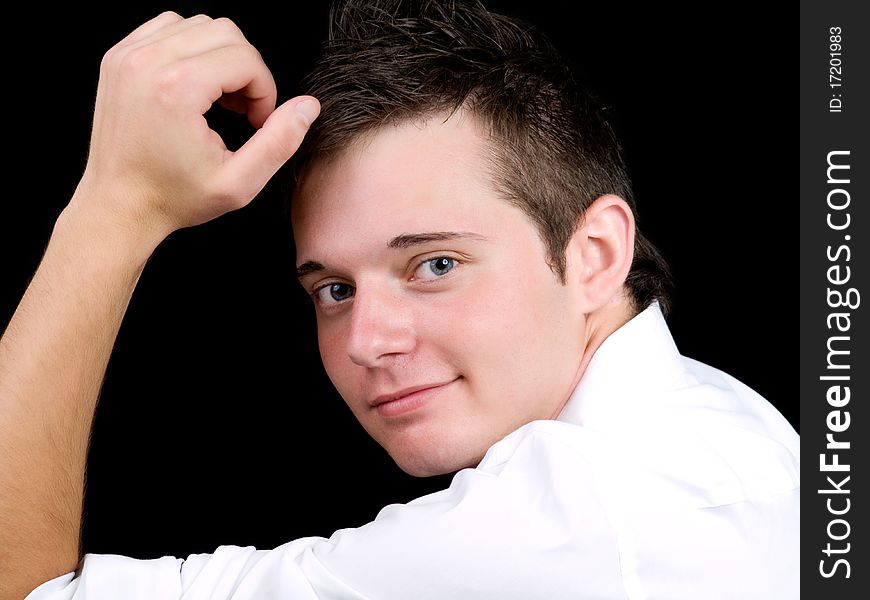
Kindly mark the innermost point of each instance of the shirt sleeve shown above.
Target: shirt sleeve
(510, 528)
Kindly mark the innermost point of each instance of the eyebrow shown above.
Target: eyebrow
(307, 267)
(406, 240)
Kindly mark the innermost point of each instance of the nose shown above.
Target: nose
(381, 326)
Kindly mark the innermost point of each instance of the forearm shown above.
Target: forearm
(153, 167)
(53, 357)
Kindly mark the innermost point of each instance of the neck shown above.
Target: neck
(599, 325)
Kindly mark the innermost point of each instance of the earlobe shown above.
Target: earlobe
(601, 250)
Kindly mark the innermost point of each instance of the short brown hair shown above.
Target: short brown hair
(553, 150)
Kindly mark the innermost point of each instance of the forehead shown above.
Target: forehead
(413, 171)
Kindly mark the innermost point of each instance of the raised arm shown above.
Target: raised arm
(154, 166)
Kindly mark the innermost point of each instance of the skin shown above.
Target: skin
(155, 167)
(439, 321)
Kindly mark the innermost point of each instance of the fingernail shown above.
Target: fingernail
(308, 110)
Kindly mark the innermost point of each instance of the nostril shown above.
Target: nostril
(375, 337)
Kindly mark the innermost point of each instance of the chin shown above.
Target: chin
(422, 468)
(430, 464)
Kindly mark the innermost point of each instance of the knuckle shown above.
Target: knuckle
(200, 18)
(124, 64)
(108, 61)
(250, 52)
(227, 194)
(170, 84)
(136, 61)
(226, 26)
(244, 54)
(171, 13)
(231, 198)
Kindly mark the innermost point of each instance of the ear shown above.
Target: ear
(600, 252)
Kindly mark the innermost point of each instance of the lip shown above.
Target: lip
(408, 399)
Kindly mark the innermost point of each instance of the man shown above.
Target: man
(484, 304)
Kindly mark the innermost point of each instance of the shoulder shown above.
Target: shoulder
(705, 439)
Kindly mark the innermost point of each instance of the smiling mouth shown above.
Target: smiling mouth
(407, 400)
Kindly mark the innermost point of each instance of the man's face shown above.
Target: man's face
(439, 321)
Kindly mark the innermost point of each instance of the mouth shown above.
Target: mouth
(407, 400)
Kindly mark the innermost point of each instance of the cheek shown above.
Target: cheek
(333, 353)
(488, 325)
(515, 336)
(513, 305)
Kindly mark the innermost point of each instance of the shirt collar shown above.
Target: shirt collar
(630, 365)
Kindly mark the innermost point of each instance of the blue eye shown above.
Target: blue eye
(334, 293)
(436, 266)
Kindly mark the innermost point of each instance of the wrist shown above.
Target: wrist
(93, 225)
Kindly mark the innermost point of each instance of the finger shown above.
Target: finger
(196, 35)
(251, 166)
(237, 70)
(148, 28)
(169, 29)
(146, 38)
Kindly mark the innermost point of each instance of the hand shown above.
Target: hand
(154, 163)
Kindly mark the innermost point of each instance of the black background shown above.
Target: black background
(217, 424)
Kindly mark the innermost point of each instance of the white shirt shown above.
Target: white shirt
(662, 478)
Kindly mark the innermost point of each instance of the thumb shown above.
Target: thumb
(252, 165)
